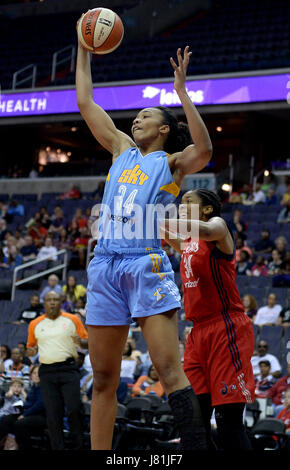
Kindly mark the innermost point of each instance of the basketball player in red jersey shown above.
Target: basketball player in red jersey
(221, 343)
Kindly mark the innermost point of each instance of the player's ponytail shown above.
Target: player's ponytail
(209, 198)
(179, 136)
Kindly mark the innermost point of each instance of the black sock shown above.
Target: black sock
(187, 414)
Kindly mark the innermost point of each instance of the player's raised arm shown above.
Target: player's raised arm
(99, 122)
(194, 157)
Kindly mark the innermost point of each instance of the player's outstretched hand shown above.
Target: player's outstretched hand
(180, 69)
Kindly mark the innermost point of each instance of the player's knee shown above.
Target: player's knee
(168, 374)
(105, 381)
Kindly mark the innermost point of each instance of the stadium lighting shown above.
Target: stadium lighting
(226, 187)
(219, 128)
(266, 173)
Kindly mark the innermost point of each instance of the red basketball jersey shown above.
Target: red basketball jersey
(209, 281)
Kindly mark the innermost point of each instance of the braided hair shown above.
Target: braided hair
(209, 198)
(179, 136)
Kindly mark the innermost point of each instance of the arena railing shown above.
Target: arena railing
(24, 266)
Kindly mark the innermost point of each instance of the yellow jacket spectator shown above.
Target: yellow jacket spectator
(73, 290)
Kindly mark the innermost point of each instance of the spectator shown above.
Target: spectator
(128, 364)
(262, 354)
(53, 284)
(268, 315)
(72, 193)
(80, 246)
(240, 245)
(144, 363)
(57, 335)
(73, 290)
(238, 225)
(14, 208)
(243, 265)
(37, 230)
(284, 317)
(271, 198)
(281, 244)
(277, 392)
(97, 195)
(284, 215)
(58, 221)
(258, 195)
(284, 414)
(268, 183)
(48, 250)
(13, 259)
(264, 381)
(29, 250)
(250, 306)
(5, 357)
(33, 173)
(66, 306)
(265, 244)
(286, 196)
(15, 370)
(282, 278)
(63, 241)
(9, 241)
(274, 265)
(3, 229)
(20, 241)
(259, 268)
(148, 384)
(80, 218)
(31, 312)
(11, 404)
(80, 309)
(172, 258)
(32, 418)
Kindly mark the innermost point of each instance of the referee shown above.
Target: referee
(57, 335)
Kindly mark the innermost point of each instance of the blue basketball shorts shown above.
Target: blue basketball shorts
(123, 287)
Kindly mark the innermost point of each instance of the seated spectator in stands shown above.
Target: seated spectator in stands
(171, 256)
(238, 225)
(14, 394)
(281, 244)
(80, 309)
(3, 229)
(73, 193)
(66, 306)
(144, 363)
(265, 244)
(97, 195)
(3, 209)
(128, 364)
(262, 354)
(284, 215)
(271, 198)
(20, 241)
(243, 265)
(15, 370)
(23, 350)
(80, 218)
(14, 209)
(284, 414)
(29, 250)
(35, 309)
(32, 419)
(62, 240)
(47, 250)
(13, 259)
(53, 284)
(148, 384)
(286, 196)
(73, 290)
(282, 278)
(5, 357)
(259, 268)
(268, 183)
(274, 265)
(80, 245)
(284, 317)
(250, 306)
(269, 314)
(258, 195)
(38, 232)
(264, 381)
(240, 245)
(277, 392)
(245, 193)
(58, 220)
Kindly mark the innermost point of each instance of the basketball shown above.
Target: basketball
(100, 31)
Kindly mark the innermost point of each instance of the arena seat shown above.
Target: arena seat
(273, 336)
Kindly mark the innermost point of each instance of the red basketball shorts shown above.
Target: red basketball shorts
(217, 359)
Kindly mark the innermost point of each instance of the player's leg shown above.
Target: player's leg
(230, 426)
(106, 344)
(160, 332)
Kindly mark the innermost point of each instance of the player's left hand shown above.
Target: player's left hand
(76, 339)
(180, 69)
